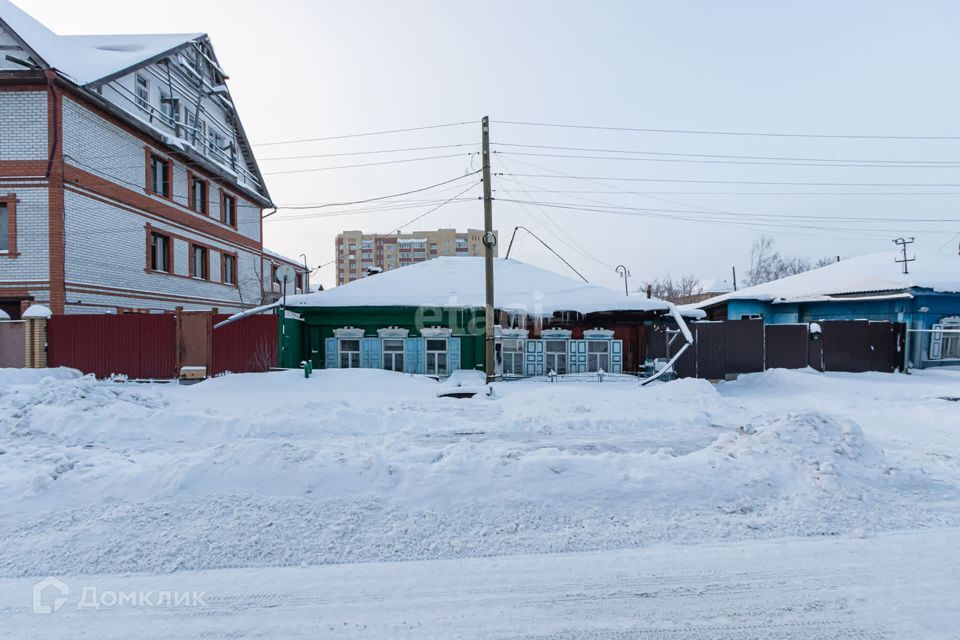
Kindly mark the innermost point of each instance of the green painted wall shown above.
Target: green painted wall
(467, 324)
(291, 341)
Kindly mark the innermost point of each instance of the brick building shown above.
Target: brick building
(358, 253)
(126, 179)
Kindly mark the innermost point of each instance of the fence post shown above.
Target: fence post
(35, 344)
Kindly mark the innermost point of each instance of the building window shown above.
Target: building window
(8, 225)
(199, 199)
(298, 283)
(160, 175)
(437, 356)
(228, 270)
(393, 354)
(555, 356)
(216, 144)
(349, 353)
(228, 210)
(512, 351)
(199, 262)
(945, 340)
(160, 252)
(170, 109)
(143, 92)
(598, 355)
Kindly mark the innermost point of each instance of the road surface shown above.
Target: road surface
(902, 585)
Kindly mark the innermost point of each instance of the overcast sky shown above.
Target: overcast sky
(302, 69)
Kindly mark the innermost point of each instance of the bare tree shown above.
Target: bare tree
(680, 291)
(767, 264)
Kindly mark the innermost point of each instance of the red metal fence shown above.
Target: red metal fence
(155, 346)
(244, 346)
(136, 345)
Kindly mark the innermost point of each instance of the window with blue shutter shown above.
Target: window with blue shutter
(370, 353)
(330, 353)
(453, 354)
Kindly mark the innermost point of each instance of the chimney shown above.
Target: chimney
(649, 290)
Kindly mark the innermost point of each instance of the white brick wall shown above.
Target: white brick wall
(23, 125)
(95, 145)
(106, 246)
(33, 244)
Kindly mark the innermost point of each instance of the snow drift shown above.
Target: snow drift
(274, 469)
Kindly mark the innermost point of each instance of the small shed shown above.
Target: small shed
(428, 318)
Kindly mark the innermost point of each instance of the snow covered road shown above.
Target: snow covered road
(901, 585)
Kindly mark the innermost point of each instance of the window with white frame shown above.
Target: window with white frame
(512, 353)
(945, 341)
(393, 354)
(555, 356)
(199, 262)
(436, 356)
(143, 92)
(160, 252)
(598, 355)
(349, 353)
(229, 269)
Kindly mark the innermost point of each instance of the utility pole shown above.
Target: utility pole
(902, 243)
(489, 242)
(734, 268)
(625, 274)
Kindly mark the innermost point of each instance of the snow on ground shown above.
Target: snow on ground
(894, 585)
(361, 465)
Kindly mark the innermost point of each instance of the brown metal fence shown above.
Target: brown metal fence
(728, 347)
(156, 346)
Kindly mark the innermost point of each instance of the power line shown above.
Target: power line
(422, 215)
(392, 195)
(366, 153)
(369, 164)
(363, 135)
(742, 193)
(717, 161)
(442, 204)
(379, 209)
(720, 217)
(667, 200)
(729, 133)
(713, 155)
(754, 182)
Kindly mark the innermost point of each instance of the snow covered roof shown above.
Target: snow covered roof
(715, 285)
(86, 59)
(459, 282)
(876, 273)
(278, 256)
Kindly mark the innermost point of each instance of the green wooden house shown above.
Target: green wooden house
(428, 318)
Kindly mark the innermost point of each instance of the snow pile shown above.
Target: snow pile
(359, 465)
(813, 453)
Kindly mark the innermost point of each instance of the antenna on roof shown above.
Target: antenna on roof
(903, 245)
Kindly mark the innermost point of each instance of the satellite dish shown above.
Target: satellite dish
(286, 274)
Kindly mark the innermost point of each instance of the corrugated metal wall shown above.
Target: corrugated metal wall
(245, 346)
(136, 345)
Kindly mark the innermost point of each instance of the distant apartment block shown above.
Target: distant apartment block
(359, 253)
